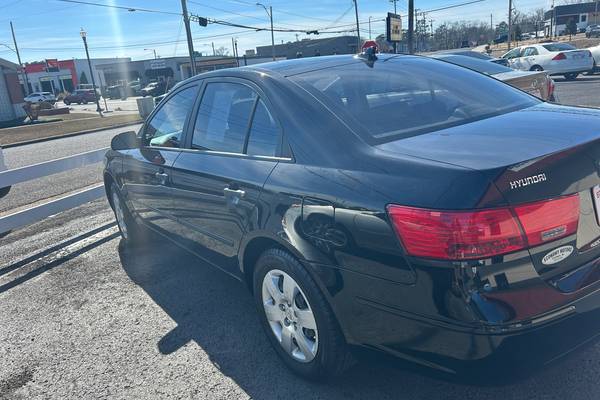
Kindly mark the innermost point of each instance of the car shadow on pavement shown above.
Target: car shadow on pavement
(217, 313)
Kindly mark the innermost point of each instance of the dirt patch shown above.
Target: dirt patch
(65, 124)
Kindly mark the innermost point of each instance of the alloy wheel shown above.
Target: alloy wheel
(290, 316)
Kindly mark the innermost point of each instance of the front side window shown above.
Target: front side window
(165, 129)
(514, 53)
(224, 116)
(405, 96)
(530, 51)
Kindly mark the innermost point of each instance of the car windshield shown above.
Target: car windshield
(485, 67)
(559, 47)
(406, 96)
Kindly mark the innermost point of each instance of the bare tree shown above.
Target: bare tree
(222, 51)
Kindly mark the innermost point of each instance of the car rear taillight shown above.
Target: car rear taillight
(465, 235)
(551, 87)
(559, 56)
(544, 221)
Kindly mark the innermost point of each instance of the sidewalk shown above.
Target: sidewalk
(68, 125)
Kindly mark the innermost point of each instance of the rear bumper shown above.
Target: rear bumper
(520, 348)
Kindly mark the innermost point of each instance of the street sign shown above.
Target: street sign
(158, 64)
(393, 27)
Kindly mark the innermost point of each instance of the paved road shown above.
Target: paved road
(116, 105)
(585, 91)
(81, 317)
(29, 192)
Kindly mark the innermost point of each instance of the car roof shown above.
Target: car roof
(296, 66)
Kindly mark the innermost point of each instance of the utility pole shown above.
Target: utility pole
(234, 49)
(213, 46)
(357, 26)
(411, 26)
(152, 50)
(370, 27)
(87, 54)
(596, 13)
(509, 22)
(25, 78)
(395, 13)
(269, 12)
(188, 32)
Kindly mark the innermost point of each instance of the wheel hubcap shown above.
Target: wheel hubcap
(120, 215)
(290, 316)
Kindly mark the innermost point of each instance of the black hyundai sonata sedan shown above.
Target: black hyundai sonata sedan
(398, 203)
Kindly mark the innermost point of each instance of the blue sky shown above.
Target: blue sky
(50, 28)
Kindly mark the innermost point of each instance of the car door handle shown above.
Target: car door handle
(234, 192)
(162, 177)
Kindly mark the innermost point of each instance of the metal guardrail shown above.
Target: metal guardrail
(30, 172)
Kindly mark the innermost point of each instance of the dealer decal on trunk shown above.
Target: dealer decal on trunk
(557, 255)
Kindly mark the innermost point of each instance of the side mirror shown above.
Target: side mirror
(125, 141)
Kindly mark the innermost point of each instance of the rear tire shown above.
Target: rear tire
(294, 302)
(571, 76)
(4, 191)
(131, 232)
(536, 68)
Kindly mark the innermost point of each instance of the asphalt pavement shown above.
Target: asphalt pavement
(128, 105)
(83, 317)
(585, 91)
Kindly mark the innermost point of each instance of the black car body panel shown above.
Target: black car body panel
(323, 197)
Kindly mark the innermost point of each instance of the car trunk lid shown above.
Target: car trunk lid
(544, 152)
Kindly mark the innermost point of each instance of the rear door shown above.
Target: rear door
(147, 170)
(235, 143)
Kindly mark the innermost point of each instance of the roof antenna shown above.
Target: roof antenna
(368, 55)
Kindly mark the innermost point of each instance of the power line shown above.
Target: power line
(131, 9)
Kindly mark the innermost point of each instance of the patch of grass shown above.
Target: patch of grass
(56, 126)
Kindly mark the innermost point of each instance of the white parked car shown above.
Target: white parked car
(4, 190)
(596, 55)
(554, 58)
(36, 97)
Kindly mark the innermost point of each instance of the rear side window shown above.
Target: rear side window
(166, 126)
(264, 134)
(224, 117)
(530, 51)
(404, 96)
(559, 47)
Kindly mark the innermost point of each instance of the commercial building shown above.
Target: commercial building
(11, 95)
(160, 69)
(311, 47)
(583, 14)
(64, 75)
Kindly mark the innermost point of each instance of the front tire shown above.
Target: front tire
(130, 231)
(571, 76)
(297, 318)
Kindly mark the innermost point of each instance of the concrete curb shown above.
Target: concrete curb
(45, 139)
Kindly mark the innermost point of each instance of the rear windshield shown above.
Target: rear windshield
(405, 96)
(479, 65)
(559, 47)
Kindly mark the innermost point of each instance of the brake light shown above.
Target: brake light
(464, 235)
(551, 87)
(548, 220)
(559, 56)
